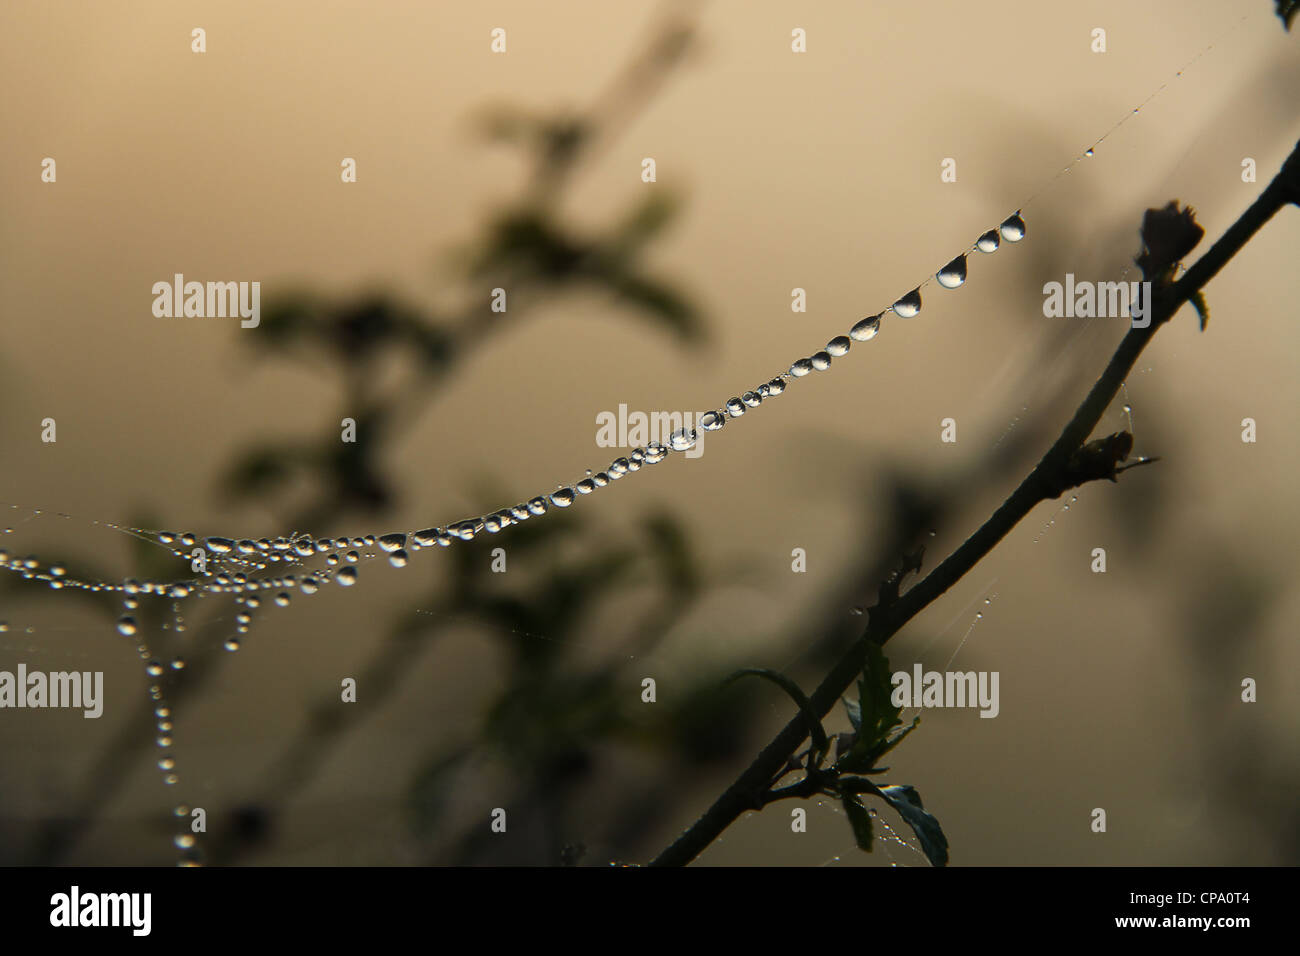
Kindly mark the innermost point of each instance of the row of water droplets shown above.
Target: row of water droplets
(246, 567)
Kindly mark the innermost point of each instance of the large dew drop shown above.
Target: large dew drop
(821, 361)
(801, 368)
(909, 305)
(562, 498)
(682, 439)
(988, 242)
(346, 576)
(865, 330)
(711, 421)
(1013, 228)
(392, 542)
(839, 345)
(953, 274)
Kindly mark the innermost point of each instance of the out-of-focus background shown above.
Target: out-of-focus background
(776, 170)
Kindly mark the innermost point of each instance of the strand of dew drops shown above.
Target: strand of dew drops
(238, 562)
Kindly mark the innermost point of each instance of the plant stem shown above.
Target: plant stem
(1043, 482)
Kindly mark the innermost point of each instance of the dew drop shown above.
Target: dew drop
(988, 242)
(465, 530)
(392, 542)
(282, 599)
(953, 274)
(562, 498)
(309, 586)
(537, 505)
(619, 466)
(711, 421)
(801, 368)
(909, 305)
(398, 558)
(184, 841)
(839, 345)
(125, 626)
(655, 453)
(601, 479)
(219, 545)
(821, 361)
(775, 387)
(1013, 228)
(346, 577)
(866, 330)
(735, 407)
(585, 487)
(856, 611)
(1088, 152)
(752, 399)
(682, 439)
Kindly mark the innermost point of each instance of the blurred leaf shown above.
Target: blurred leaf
(1287, 9)
(669, 547)
(660, 301)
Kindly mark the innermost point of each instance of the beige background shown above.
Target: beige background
(819, 171)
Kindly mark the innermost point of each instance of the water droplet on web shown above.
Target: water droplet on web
(346, 577)
(1088, 152)
(537, 505)
(282, 599)
(655, 453)
(988, 242)
(1013, 228)
(126, 626)
(821, 361)
(909, 305)
(711, 421)
(562, 497)
(953, 274)
(392, 542)
(682, 439)
(585, 486)
(398, 558)
(219, 545)
(775, 387)
(801, 368)
(735, 407)
(619, 466)
(309, 585)
(752, 399)
(856, 611)
(839, 345)
(866, 329)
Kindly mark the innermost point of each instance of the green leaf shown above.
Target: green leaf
(877, 715)
(855, 713)
(907, 802)
(820, 740)
(860, 820)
